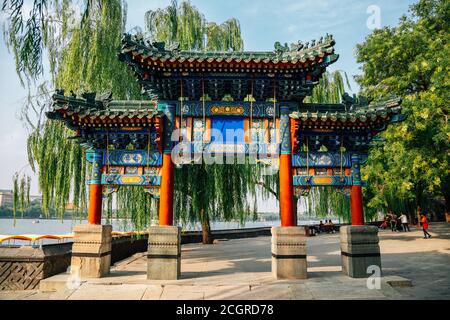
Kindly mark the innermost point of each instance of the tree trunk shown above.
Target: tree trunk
(447, 207)
(419, 193)
(418, 216)
(206, 228)
(295, 210)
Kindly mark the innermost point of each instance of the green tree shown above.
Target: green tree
(184, 24)
(410, 167)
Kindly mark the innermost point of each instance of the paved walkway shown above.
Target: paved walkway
(240, 269)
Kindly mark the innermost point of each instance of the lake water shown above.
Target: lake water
(51, 226)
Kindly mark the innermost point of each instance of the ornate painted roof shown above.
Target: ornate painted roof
(287, 73)
(350, 115)
(92, 110)
(298, 55)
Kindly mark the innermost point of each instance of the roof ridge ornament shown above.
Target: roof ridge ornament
(279, 48)
(105, 98)
(358, 102)
(174, 47)
(297, 46)
(306, 49)
(89, 96)
(349, 101)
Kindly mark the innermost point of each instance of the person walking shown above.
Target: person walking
(424, 222)
(404, 220)
(393, 221)
(384, 224)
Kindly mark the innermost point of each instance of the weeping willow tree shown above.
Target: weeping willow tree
(205, 192)
(21, 194)
(81, 46)
(184, 24)
(330, 89)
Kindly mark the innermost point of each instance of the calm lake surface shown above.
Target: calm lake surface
(59, 227)
(51, 226)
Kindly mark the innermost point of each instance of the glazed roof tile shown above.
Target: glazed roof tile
(297, 53)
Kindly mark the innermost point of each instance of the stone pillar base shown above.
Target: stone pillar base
(359, 250)
(289, 253)
(91, 251)
(164, 253)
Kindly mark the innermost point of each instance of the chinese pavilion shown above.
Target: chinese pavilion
(258, 94)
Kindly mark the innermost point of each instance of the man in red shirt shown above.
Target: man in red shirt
(424, 222)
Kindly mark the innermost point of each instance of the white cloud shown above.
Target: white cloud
(307, 5)
(14, 157)
(253, 9)
(292, 29)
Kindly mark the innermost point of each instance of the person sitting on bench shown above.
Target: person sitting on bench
(321, 227)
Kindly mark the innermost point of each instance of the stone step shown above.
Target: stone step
(397, 281)
(61, 281)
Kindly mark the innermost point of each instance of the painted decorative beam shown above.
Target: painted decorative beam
(327, 181)
(132, 158)
(322, 160)
(130, 180)
(231, 108)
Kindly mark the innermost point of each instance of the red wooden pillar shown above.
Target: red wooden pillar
(95, 188)
(166, 189)
(356, 205)
(166, 192)
(286, 180)
(356, 198)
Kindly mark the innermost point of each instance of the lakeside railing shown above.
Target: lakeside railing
(59, 237)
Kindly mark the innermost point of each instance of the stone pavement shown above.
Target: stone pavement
(240, 269)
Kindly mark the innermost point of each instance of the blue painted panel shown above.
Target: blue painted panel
(95, 157)
(132, 158)
(228, 130)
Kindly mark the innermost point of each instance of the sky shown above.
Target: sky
(263, 22)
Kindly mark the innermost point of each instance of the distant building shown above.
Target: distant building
(6, 198)
(35, 198)
(70, 206)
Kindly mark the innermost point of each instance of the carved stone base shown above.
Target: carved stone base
(289, 253)
(164, 253)
(91, 251)
(23, 267)
(359, 250)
